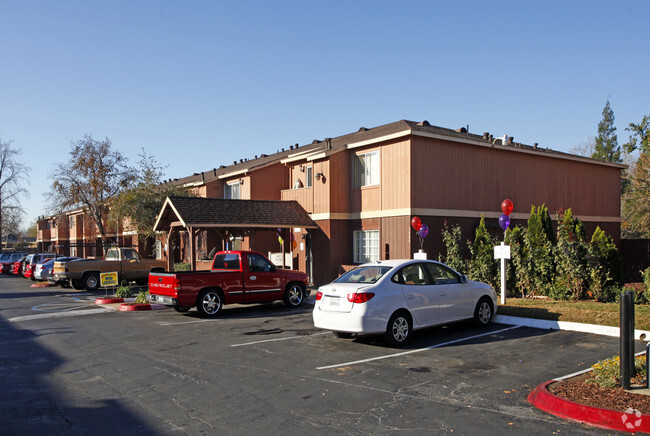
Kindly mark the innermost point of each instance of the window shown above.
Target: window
(257, 263)
(442, 275)
(158, 249)
(308, 175)
(226, 261)
(366, 169)
(413, 274)
(72, 220)
(232, 191)
(366, 246)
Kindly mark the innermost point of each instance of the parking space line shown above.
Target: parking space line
(404, 353)
(185, 322)
(279, 339)
(60, 314)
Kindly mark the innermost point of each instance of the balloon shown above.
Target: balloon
(294, 244)
(424, 230)
(416, 223)
(504, 222)
(280, 240)
(507, 206)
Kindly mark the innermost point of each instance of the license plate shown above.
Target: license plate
(334, 302)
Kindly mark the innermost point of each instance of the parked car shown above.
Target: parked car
(31, 261)
(395, 297)
(7, 260)
(59, 273)
(43, 269)
(235, 277)
(17, 268)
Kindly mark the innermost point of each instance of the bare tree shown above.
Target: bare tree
(586, 148)
(94, 174)
(13, 177)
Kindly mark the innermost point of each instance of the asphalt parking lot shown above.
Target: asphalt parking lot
(266, 369)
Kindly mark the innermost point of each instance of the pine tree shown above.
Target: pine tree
(482, 266)
(607, 147)
(571, 258)
(540, 250)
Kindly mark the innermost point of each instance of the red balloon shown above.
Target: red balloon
(507, 206)
(416, 223)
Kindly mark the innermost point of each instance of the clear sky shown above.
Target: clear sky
(199, 84)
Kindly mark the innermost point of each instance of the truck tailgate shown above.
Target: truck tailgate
(163, 284)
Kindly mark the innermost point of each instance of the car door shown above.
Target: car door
(456, 300)
(261, 283)
(420, 293)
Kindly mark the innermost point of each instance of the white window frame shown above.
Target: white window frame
(228, 191)
(365, 246)
(370, 166)
(309, 175)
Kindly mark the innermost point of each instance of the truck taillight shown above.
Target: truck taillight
(176, 284)
(361, 297)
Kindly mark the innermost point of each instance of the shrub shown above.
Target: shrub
(641, 295)
(606, 373)
(519, 268)
(454, 253)
(539, 245)
(570, 257)
(141, 298)
(123, 291)
(604, 267)
(482, 265)
(182, 266)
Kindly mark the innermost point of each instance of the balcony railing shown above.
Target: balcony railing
(304, 196)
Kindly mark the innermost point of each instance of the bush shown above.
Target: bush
(519, 268)
(123, 291)
(141, 298)
(604, 267)
(454, 253)
(641, 295)
(482, 266)
(182, 266)
(571, 257)
(539, 244)
(606, 373)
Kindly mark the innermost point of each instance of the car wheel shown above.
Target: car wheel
(398, 330)
(91, 281)
(181, 309)
(76, 284)
(294, 295)
(342, 335)
(209, 303)
(483, 312)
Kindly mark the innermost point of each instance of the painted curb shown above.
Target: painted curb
(632, 421)
(140, 307)
(41, 285)
(109, 300)
(565, 325)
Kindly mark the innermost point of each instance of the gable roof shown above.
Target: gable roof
(217, 212)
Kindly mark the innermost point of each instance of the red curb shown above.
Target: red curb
(134, 307)
(543, 399)
(41, 285)
(109, 300)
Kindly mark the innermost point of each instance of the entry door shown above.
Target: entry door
(261, 283)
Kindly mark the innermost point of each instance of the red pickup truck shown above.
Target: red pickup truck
(235, 277)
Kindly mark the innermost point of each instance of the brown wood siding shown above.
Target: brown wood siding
(267, 183)
(396, 232)
(458, 176)
(395, 175)
(323, 188)
(340, 182)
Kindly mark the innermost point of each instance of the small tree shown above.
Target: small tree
(571, 258)
(520, 268)
(539, 249)
(607, 147)
(605, 275)
(454, 252)
(482, 266)
(635, 205)
(639, 136)
(92, 175)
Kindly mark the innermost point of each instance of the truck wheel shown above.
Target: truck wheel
(91, 281)
(209, 302)
(294, 295)
(76, 284)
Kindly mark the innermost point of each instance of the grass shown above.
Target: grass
(588, 312)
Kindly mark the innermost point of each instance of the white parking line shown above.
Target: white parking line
(186, 322)
(356, 362)
(60, 314)
(279, 339)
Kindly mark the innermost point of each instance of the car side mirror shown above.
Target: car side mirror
(463, 278)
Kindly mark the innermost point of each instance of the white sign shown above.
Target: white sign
(276, 259)
(420, 255)
(502, 251)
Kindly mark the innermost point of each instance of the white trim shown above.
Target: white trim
(234, 173)
(380, 139)
(299, 156)
(456, 213)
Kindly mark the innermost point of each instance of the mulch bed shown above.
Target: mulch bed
(575, 389)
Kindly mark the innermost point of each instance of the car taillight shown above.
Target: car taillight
(361, 297)
(319, 295)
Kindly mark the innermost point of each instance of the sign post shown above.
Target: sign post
(503, 251)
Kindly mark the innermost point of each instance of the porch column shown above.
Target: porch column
(170, 260)
(192, 249)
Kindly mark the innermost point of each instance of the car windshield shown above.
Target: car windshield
(5, 256)
(364, 274)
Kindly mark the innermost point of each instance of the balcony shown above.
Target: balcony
(304, 196)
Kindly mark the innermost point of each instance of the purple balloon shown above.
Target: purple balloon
(424, 231)
(504, 222)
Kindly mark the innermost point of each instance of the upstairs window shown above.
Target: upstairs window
(366, 169)
(232, 191)
(72, 221)
(309, 171)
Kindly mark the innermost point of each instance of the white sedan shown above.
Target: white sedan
(395, 297)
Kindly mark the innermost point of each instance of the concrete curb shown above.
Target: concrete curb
(629, 421)
(139, 307)
(565, 325)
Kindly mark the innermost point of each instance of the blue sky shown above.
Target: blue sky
(203, 83)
